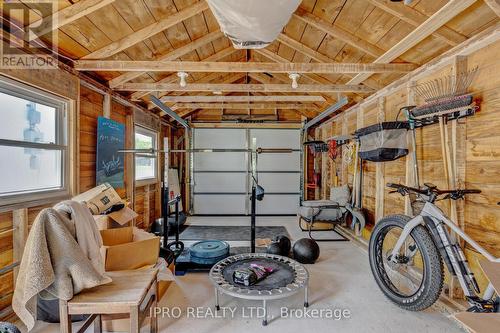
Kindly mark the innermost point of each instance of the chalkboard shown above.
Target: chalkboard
(109, 162)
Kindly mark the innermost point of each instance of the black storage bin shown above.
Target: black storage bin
(383, 142)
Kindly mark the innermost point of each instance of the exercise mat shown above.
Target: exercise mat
(229, 233)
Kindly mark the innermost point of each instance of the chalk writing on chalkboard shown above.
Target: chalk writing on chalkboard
(109, 162)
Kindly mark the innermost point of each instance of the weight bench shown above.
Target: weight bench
(334, 211)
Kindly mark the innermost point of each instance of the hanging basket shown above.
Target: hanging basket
(383, 142)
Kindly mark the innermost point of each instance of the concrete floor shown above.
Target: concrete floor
(340, 281)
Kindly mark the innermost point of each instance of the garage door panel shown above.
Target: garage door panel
(220, 138)
(278, 204)
(220, 161)
(226, 182)
(279, 162)
(276, 138)
(220, 204)
(280, 182)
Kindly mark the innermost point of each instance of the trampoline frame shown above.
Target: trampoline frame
(222, 286)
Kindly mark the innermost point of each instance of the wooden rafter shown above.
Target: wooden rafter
(313, 54)
(416, 18)
(174, 78)
(494, 5)
(147, 32)
(64, 16)
(216, 87)
(210, 77)
(172, 55)
(227, 67)
(338, 33)
(446, 13)
(240, 99)
(240, 106)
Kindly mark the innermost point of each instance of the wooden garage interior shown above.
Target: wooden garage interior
(139, 94)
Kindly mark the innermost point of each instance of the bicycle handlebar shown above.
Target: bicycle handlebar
(453, 194)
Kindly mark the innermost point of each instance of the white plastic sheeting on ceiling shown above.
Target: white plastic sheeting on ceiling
(252, 24)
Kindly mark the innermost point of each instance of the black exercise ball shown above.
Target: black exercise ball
(285, 244)
(306, 251)
(274, 248)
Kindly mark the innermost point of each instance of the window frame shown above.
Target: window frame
(153, 134)
(62, 123)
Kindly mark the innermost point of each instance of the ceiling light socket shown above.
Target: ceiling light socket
(294, 77)
(182, 76)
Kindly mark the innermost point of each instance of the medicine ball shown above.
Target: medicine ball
(306, 251)
(285, 244)
(274, 248)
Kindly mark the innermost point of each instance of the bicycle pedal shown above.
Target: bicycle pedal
(481, 306)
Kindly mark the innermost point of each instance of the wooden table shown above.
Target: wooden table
(132, 292)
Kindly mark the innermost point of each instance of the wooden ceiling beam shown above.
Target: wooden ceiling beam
(64, 16)
(207, 78)
(299, 47)
(241, 106)
(316, 56)
(174, 78)
(172, 55)
(338, 33)
(239, 99)
(222, 87)
(416, 18)
(248, 67)
(147, 32)
(446, 13)
(494, 5)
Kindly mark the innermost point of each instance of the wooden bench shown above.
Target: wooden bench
(132, 293)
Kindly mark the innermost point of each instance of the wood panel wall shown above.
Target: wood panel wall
(478, 153)
(56, 82)
(88, 105)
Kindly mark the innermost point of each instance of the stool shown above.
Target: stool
(132, 293)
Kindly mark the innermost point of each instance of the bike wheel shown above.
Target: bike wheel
(413, 283)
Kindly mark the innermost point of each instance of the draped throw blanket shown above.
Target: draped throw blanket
(54, 265)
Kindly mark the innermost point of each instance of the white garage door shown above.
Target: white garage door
(222, 181)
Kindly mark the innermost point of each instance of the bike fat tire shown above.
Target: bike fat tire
(432, 283)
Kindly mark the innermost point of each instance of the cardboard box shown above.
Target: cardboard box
(122, 252)
(121, 218)
(99, 198)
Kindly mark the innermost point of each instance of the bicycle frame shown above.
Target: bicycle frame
(456, 258)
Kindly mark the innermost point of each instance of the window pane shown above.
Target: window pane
(145, 167)
(28, 169)
(23, 120)
(143, 141)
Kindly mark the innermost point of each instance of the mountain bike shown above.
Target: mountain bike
(406, 254)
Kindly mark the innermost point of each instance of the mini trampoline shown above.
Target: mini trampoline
(289, 278)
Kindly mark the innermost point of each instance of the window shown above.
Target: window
(145, 164)
(33, 144)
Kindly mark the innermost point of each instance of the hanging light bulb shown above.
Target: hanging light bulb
(294, 77)
(182, 76)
